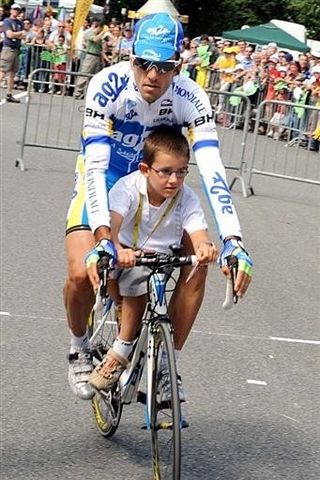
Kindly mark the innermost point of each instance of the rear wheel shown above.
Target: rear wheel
(107, 410)
(165, 419)
(103, 330)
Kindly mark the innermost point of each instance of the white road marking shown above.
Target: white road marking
(256, 337)
(235, 335)
(295, 340)
(290, 418)
(257, 382)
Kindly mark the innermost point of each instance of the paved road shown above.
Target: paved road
(251, 374)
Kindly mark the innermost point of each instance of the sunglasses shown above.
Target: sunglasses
(161, 67)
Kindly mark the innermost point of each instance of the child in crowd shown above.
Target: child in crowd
(60, 65)
(150, 209)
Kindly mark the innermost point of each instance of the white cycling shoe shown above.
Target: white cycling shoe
(80, 367)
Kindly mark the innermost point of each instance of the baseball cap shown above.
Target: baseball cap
(16, 6)
(315, 69)
(158, 37)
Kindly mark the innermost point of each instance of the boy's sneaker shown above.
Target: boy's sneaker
(107, 373)
(164, 387)
(80, 367)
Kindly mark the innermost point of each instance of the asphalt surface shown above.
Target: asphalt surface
(251, 374)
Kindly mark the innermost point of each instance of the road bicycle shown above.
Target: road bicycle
(162, 419)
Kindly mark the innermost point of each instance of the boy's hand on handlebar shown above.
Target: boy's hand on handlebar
(244, 269)
(127, 257)
(206, 253)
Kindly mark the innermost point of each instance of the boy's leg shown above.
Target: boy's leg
(107, 373)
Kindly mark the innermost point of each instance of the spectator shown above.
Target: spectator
(272, 50)
(304, 66)
(40, 79)
(9, 60)
(205, 56)
(81, 43)
(192, 61)
(24, 57)
(92, 62)
(124, 48)
(225, 65)
(60, 65)
(247, 60)
(113, 43)
(53, 39)
(241, 46)
(185, 52)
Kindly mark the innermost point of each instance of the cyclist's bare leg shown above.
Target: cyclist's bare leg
(187, 298)
(78, 294)
(78, 300)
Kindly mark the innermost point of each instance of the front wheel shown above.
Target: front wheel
(165, 419)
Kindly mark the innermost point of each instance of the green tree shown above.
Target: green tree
(213, 17)
(306, 12)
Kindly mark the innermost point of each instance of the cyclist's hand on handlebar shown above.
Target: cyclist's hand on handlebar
(103, 248)
(206, 253)
(235, 247)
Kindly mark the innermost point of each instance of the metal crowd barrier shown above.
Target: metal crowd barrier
(233, 116)
(51, 121)
(31, 58)
(284, 149)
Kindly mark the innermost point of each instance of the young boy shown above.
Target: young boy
(150, 209)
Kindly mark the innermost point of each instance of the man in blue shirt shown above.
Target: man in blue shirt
(9, 60)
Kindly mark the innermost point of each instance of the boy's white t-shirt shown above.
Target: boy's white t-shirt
(186, 214)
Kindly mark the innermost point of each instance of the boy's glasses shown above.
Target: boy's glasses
(167, 172)
(161, 67)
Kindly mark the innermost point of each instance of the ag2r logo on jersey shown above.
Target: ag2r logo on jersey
(111, 89)
(221, 189)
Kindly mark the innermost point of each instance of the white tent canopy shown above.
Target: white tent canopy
(156, 6)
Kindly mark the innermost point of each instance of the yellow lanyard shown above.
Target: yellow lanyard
(138, 216)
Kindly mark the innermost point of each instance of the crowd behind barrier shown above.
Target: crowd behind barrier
(264, 73)
(260, 73)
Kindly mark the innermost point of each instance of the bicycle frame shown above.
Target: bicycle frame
(156, 307)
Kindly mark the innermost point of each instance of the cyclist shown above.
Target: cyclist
(124, 104)
(150, 209)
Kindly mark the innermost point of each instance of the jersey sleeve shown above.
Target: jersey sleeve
(205, 144)
(102, 93)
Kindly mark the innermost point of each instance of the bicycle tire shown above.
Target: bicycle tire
(165, 423)
(106, 406)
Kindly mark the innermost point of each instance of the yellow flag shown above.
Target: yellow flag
(82, 10)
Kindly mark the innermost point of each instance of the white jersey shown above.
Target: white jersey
(117, 121)
(185, 214)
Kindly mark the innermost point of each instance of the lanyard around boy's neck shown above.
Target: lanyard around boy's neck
(138, 216)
